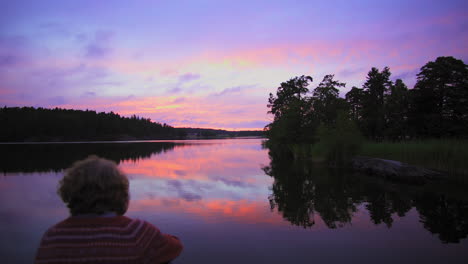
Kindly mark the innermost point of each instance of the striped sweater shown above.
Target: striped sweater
(117, 239)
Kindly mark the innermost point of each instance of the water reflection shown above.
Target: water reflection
(212, 181)
(443, 216)
(56, 157)
(214, 195)
(302, 190)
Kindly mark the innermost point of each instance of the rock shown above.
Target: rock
(394, 170)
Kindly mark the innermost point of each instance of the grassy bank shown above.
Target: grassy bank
(447, 155)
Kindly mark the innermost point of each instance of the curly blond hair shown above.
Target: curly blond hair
(94, 186)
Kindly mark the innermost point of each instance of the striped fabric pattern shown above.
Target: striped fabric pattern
(118, 239)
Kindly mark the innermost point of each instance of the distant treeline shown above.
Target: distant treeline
(23, 124)
(220, 133)
(41, 124)
(437, 107)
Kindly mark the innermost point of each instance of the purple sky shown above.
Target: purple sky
(211, 63)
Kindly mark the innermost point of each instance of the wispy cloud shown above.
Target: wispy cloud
(181, 188)
(99, 47)
(14, 51)
(189, 77)
(233, 90)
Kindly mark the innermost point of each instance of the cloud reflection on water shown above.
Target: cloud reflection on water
(208, 180)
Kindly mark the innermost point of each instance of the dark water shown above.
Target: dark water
(231, 202)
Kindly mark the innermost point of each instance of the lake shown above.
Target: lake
(232, 201)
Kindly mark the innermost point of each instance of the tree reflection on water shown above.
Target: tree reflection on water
(58, 156)
(302, 189)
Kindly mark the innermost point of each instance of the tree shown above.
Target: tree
(355, 99)
(288, 108)
(288, 94)
(376, 86)
(439, 105)
(326, 101)
(396, 111)
(337, 143)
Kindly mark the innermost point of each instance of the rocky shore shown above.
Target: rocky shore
(394, 170)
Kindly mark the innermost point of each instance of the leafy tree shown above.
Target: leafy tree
(297, 115)
(436, 107)
(326, 101)
(356, 99)
(288, 95)
(288, 108)
(377, 85)
(439, 105)
(396, 111)
(337, 143)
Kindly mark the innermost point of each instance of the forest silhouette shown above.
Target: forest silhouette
(381, 109)
(29, 124)
(41, 124)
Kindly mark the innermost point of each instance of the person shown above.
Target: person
(97, 195)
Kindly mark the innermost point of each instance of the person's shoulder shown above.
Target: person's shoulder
(141, 224)
(90, 223)
(52, 229)
(149, 226)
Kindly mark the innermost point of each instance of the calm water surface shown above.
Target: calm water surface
(230, 201)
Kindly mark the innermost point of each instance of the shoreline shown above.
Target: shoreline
(123, 141)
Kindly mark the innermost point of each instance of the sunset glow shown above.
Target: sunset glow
(210, 64)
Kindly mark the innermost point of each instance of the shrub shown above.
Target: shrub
(337, 143)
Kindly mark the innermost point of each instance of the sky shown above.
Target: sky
(211, 64)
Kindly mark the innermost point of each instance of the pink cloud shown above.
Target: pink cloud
(219, 72)
(189, 77)
(246, 211)
(5, 91)
(200, 111)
